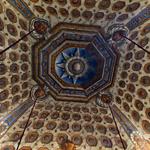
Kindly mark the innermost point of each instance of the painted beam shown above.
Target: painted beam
(22, 7)
(139, 19)
(123, 120)
(7, 121)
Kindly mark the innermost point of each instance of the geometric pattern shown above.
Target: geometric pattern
(75, 62)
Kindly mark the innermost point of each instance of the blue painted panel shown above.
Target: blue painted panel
(22, 7)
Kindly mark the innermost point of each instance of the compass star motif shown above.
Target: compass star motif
(74, 66)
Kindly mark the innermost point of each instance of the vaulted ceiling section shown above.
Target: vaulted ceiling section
(86, 62)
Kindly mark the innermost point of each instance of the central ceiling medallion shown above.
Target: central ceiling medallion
(75, 63)
(75, 66)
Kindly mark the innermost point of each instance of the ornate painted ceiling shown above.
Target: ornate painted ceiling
(76, 52)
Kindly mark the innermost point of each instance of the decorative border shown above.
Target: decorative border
(124, 121)
(7, 121)
(22, 7)
(139, 19)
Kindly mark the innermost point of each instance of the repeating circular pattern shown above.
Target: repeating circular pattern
(12, 30)
(99, 15)
(40, 9)
(124, 75)
(136, 66)
(23, 24)
(15, 136)
(147, 112)
(89, 3)
(142, 93)
(3, 82)
(31, 136)
(62, 2)
(38, 124)
(12, 41)
(145, 30)
(24, 67)
(43, 114)
(24, 47)
(125, 90)
(132, 7)
(128, 97)
(122, 17)
(118, 5)
(145, 80)
(139, 105)
(64, 12)
(77, 139)
(75, 3)
(89, 128)
(118, 100)
(14, 68)
(110, 16)
(4, 95)
(97, 118)
(76, 116)
(101, 129)
(24, 76)
(87, 14)
(147, 67)
(113, 129)
(144, 41)
(13, 56)
(4, 107)
(146, 126)
(131, 88)
(91, 140)
(108, 119)
(133, 77)
(85, 109)
(63, 126)
(15, 99)
(139, 55)
(52, 11)
(76, 127)
(65, 116)
(106, 142)
(126, 66)
(135, 115)
(134, 35)
(130, 46)
(15, 89)
(75, 13)
(126, 107)
(46, 138)
(62, 138)
(76, 109)
(55, 115)
(11, 15)
(104, 4)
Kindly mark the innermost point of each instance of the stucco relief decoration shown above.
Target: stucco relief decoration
(104, 99)
(41, 28)
(115, 33)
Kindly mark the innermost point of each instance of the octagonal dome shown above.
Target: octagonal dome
(75, 63)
